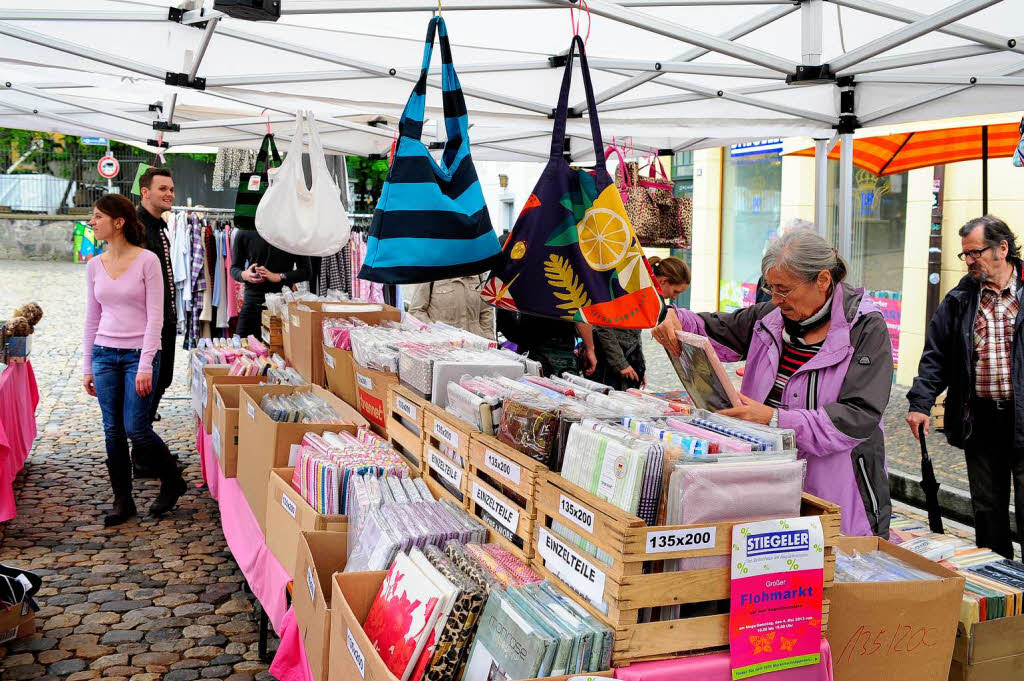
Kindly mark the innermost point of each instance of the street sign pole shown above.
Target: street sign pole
(110, 181)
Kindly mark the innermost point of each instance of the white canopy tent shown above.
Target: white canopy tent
(671, 74)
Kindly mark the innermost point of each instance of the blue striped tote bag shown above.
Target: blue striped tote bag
(431, 221)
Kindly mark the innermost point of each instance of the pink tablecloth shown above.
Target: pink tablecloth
(263, 572)
(716, 668)
(290, 661)
(19, 396)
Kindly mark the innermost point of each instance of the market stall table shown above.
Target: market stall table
(19, 396)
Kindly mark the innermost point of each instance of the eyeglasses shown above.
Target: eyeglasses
(973, 255)
(781, 294)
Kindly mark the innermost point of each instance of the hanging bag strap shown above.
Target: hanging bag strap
(623, 170)
(562, 112)
(411, 123)
(267, 148)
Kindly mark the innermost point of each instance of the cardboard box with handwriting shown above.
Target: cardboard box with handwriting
(893, 631)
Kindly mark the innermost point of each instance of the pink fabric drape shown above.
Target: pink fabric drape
(19, 396)
(290, 661)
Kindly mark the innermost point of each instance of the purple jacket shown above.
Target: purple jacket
(834, 402)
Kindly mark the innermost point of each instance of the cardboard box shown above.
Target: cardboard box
(212, 377)
(288, 514)
(264, 444)
(990, 651)
(352, 656)
(341, 378)
(304, 336)
(199, 372)
(16, 622)
(893, 631)
(320, 555)
(225, 427)
(372, 391)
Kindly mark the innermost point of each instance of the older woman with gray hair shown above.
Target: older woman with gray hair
(819, 362)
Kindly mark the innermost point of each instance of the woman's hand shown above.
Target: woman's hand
(630, 373)
(89, 385)
(665, 333)
(143, 384)
(752, 411)
(272, 277)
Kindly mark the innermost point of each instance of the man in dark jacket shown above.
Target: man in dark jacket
(157, 187)
(970, 351)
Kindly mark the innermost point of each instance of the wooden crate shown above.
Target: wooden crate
(270, 320)
(626, 589)
(503, 484)
(442, 429)
(405, 413)
(271, 336)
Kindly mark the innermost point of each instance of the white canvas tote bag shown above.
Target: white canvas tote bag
(298, 220)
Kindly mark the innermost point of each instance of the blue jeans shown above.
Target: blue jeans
(126, 416)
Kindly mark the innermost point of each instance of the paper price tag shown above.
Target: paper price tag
(580, 515)
(502, 466)
(254, 183)
(364, 381)
(357, 655)
(502, 512)
(445, 468)
(288, 505)
(693, 539)
(405, 406)
(445, 433)
(266, 335)
(252, 411)
(310, 583)
(328, 360)
(216, 441)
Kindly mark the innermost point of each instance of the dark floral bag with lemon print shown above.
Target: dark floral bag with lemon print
(572, 253)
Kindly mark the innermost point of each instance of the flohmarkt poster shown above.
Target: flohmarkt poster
(775, 614)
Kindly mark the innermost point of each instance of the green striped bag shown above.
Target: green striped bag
(251, 186)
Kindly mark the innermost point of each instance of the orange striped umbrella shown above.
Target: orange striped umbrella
(892, 154)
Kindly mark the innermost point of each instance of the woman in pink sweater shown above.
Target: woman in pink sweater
(121, 353)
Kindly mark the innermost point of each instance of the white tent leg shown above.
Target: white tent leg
(964, 8)
(845, 231)
(203, 44)
(810, 31)
(821, 185)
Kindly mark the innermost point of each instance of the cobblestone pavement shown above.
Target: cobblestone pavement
(144, 601)
(902, 451)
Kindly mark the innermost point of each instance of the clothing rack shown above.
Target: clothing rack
(201, 209)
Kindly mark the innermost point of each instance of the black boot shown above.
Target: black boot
(172, 487)
(121, 483)
(124, 509)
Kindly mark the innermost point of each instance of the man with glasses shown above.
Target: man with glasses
(970, 353)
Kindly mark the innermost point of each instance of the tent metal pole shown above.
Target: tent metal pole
(984, 170)
(114, 113)
(204, 43)
(355, 74)
(917, 58)
(623, 15)
(846, 195)
(930, 97)
(106, 132)
(351, 6)
(154, 14)
(883, 9)
(731, 96)
(225, 122)
(964, 8)
(682, 99)
(728, 70)
(821, 185)
(943, 80)
(738, 31)
(810, 31)
(383, 72)
(80, 51)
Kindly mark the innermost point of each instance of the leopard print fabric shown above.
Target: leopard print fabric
(452, 647)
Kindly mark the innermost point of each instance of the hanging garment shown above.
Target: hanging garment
(431, 221)
(252, 186)
(230, 164)
(572, 253)
(298, 220)
(233, 286)
(332, 273)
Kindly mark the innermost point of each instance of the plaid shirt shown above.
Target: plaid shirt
(993, 340)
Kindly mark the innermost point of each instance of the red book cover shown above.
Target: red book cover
(400, 617)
